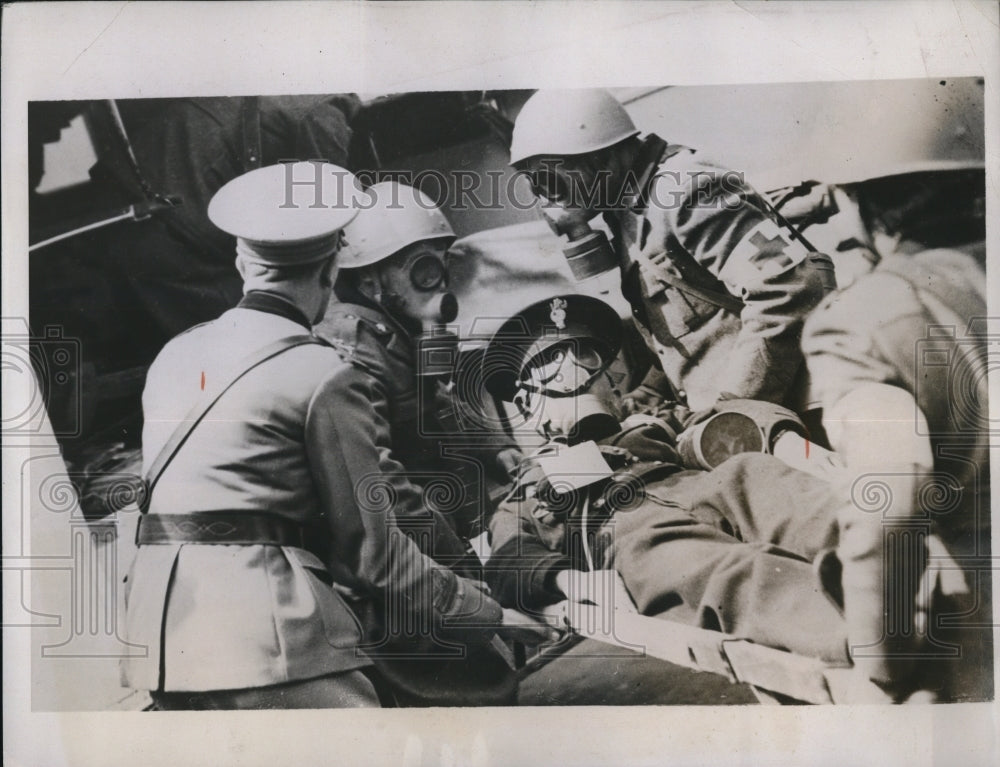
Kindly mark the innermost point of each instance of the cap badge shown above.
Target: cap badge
(557, 313)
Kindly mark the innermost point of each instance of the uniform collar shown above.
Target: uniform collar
(272, 303)
(371, 311)
(651, 153)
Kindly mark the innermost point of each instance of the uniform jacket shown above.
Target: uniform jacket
(397, 461)
(429, 480)
(917, 322)
(728, 550)
(227, 616)
(717, 234)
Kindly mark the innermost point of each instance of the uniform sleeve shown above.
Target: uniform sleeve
(840, 345)
(723, 224)
(309, 127)
(729, 551)
(325, 131)
(521, 569)
(435, 533)
(361, 487)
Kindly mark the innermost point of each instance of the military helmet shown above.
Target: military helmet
(568, 122)
(529, 334)
(395, 217)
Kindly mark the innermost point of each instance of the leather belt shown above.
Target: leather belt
(237, 528)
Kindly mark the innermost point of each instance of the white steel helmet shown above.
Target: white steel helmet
(395, 217)
(567, 122)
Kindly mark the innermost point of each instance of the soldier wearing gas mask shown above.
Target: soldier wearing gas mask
(387, 318)
(717, 289)
(721, 534)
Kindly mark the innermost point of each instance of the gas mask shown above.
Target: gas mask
(568, 388)
(566, 199)
(572, 190)
(577, 419)
(412, 290)
(738, 426)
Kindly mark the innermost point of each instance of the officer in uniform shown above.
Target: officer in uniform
(729, 549)
(247, 553)
(387, 319)
(898, 360)
(718, 290)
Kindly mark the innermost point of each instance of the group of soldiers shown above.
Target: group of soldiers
(293, 551)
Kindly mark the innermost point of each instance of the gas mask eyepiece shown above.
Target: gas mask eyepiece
(428, 272)
(557, 384)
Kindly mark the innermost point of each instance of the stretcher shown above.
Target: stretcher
(776, 676)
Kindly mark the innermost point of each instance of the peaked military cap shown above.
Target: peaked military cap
(288, 214)
(532, 331)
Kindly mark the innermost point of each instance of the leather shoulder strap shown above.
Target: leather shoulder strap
(730, 303)
(205, 403)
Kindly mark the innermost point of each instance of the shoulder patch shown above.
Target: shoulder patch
(339, 329)
(376, 325)
(764, 251)
(344, 321)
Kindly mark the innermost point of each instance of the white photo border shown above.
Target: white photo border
(122, 50)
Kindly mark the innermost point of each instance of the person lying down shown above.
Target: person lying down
(703, 523)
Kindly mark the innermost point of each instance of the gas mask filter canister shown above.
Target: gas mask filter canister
(589, 252)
